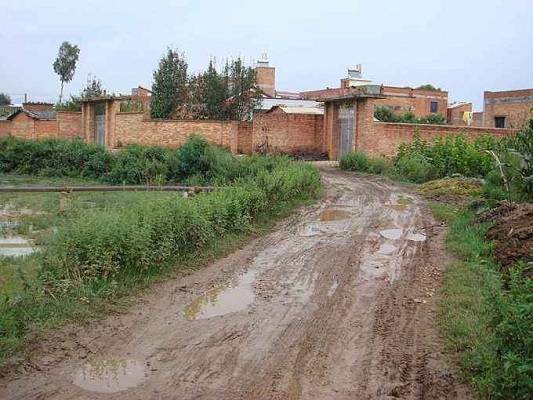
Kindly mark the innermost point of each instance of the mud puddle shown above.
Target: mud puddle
(334, 215)
(416, 237)
(15, 246)
(224, 299)
(110, 376)
(392, 234)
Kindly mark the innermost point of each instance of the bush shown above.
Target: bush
(147, 237)
(354, 161)
(414, 168)
(54, 157)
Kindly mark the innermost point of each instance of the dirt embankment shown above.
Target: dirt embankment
(512, 231)
(336, 303)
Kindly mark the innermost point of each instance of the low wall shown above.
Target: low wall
(245, 138)
(384, 138)
(288, 133)
(137, 128)
(67, 125)
(5, 128)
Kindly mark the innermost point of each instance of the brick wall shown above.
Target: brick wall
(288, 133)
(5, 128)
(245, 138)
(401, 100)
(266, 80)
(384, 138)
(137, 128)
(69, 124)
(23, 126)
(45, 128)
(515, 105)
(38, 106)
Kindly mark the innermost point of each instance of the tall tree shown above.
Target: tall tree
(244, 93)
(170, 84)
(5, 100)
(65, 64)
(216, 94)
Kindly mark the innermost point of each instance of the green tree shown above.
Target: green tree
(170, 85)
(5, 100)
(428, 86)
(65, 64)
(94, 88)
(244, 93)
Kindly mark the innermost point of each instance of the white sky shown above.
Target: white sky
(464, 47)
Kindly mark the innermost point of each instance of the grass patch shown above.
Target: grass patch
(487, 318)
(110, 245)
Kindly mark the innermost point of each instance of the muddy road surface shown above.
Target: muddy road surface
(336, 303)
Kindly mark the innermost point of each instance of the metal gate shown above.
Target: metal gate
(346, 131)
(99, 124)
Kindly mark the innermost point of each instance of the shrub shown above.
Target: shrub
(414, 168)
(354, 161)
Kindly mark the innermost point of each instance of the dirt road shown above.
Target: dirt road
(336, 303)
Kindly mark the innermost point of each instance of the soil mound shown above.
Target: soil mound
(512, 230)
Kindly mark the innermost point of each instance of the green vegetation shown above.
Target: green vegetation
(229, 94)
(506, 165)
(487, 317)
(106, 246)
(65, 64)
(385, 114)
(429, 86)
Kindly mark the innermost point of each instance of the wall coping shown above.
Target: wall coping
(194, 121)
(479, 128)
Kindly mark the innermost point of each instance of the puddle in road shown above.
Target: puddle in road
(15, 246)
(224, 299)
(334, 215)
(109, 376)
(396, 207)
(416, 237)
(386, 249)
(392, 234)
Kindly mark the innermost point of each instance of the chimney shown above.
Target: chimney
(266, 76)
(354, 78)
(25, 97)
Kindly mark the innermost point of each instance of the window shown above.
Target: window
(433, 107)
(499, 122)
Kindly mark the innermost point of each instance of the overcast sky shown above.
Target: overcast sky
(464, 47)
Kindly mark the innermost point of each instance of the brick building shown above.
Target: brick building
(508, 109)
(456, 114)
(399, 100)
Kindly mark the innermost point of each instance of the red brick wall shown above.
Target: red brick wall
(23, 126)
(417, 101)
(515, 105)
(244, 140)
(384, 138)
(266, 80)
(38, 106)
(45, 128)
(5, 128)
(70, 124)
(288, 133)
(136, 128)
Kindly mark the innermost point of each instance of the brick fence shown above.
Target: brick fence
(288, 133)
(384, 138)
